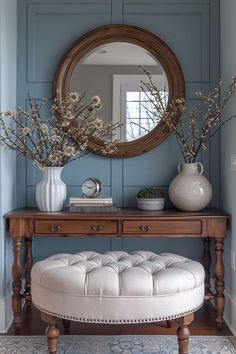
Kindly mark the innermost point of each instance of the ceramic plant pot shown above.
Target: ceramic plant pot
(51, 190)
(190, 190)
(150, 203)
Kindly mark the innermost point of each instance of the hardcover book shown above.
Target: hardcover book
(92, 209)
(90, 201)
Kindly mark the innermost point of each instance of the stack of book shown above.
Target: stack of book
(91, 205)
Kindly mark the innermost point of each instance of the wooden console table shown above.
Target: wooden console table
(28, 223)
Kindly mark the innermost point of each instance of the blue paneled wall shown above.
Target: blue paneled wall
(47, 28)
(228, 147)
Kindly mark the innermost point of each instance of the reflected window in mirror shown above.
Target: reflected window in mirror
(134, 108)
(113, 71)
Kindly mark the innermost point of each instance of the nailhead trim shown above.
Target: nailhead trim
(96, 320)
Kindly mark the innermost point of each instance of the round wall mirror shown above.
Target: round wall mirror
(108, 62)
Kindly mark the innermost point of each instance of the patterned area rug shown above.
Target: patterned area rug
(116, 345)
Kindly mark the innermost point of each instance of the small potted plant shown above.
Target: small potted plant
(150, 198)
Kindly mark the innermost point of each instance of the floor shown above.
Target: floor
(204, 324)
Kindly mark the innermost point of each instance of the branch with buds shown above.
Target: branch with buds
(196, 126)
(62, 137)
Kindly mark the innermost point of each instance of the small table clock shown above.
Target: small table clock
(91, 187)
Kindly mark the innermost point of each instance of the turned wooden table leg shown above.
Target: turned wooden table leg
(52, 332)
(219, 282)
(183, 333)
(16, 284)
(207, 267)
(28, 266)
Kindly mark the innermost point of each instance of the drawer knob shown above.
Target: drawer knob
(144, 228)
(96, 228)
(54, 228)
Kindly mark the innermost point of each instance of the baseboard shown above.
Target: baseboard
(230, 311)
(230, 308)
(6, 316)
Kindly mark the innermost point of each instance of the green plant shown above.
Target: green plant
(150, 192)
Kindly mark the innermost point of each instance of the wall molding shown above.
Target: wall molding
(230, 308)
(230, 311)
(164, 2)
(6, 316)
(199, 11)
(72, 2)
(36, 11)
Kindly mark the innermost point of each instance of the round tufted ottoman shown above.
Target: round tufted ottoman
(117, 287)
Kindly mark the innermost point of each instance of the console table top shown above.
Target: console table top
(31, 213)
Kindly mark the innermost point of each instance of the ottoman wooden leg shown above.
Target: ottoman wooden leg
(169, 323)
(183, 333)
(52, 332)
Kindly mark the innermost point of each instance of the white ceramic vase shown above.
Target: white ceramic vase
(51, 190)
(190, 190)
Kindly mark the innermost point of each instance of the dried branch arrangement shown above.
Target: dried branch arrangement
(60, 138)
(197, 125)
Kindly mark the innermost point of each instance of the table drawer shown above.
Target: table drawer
(75, 227)
(162, 227)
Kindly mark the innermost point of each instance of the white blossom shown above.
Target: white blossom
(59, 138)
(25, 130)
(74, 97)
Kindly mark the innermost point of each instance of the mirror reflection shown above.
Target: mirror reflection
(112, 71)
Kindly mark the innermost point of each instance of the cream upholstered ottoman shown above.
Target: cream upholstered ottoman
(117, 287)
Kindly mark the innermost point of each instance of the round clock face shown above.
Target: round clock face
(91, 187)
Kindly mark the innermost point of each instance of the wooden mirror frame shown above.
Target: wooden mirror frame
(150, 42)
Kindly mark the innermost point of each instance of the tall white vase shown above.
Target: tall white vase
(51, 191)
(190, 190)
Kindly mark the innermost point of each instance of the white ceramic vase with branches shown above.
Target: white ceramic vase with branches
(190, 190)
(54, 141)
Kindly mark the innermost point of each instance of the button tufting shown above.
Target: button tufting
(112, 273)
(89, 280)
